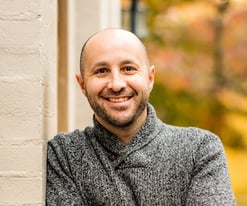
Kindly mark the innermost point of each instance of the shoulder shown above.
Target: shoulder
(68, 144)
(191, 135)
(67, 139)
(191, 141)
(70, 139)
(197, 148)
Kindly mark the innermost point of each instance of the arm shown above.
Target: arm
(210, 183)
(61, 188)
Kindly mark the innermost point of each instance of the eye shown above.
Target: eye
(101, 71)
(129, 69)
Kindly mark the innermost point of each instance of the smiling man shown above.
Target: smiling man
(129, 157)
(117, 80)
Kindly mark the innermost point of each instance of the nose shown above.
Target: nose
(116, 82)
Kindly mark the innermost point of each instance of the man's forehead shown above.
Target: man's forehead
(108, 40)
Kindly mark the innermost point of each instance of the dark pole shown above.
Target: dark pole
(133, 12)
(218, 50)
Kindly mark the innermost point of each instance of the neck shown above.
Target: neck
(125, 134)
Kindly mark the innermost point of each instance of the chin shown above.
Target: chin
(116, 120)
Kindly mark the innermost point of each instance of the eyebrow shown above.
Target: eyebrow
(128, 61)
(104, 63)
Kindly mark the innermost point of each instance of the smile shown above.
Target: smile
(118, 100)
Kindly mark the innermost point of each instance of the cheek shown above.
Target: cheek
(93, 87)
(141, 83)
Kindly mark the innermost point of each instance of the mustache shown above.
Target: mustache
(121, 92)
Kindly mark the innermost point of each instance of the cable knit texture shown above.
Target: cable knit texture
(162, 165)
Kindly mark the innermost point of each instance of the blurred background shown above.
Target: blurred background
(197, 46)
(199, 51)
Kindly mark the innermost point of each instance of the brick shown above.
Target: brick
(19, 9)
(19, 130)
(20, 191)
(29, 33)
(22, 61)
(20, 96)
(27, 158)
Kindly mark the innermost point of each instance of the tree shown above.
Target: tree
(191, 51)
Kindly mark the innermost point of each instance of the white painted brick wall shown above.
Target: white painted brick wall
(28, 42)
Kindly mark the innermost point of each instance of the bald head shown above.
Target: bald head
(112, 36)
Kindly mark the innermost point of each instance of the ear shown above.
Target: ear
(80, 81)
(151, 77)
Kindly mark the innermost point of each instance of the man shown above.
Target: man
(129, 157)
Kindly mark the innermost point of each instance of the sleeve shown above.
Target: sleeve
(210, 183)
(61, 188)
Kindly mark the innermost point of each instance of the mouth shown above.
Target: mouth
(118, 99)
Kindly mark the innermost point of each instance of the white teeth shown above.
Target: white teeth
(118, 99)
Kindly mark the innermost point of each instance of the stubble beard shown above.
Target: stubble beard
(115, 120)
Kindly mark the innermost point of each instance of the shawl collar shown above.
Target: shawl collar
(145, 134)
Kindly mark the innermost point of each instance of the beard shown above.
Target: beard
(117, 119)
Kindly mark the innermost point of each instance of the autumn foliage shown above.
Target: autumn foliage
(199, 49)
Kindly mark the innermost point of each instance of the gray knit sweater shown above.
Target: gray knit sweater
(162, 165)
